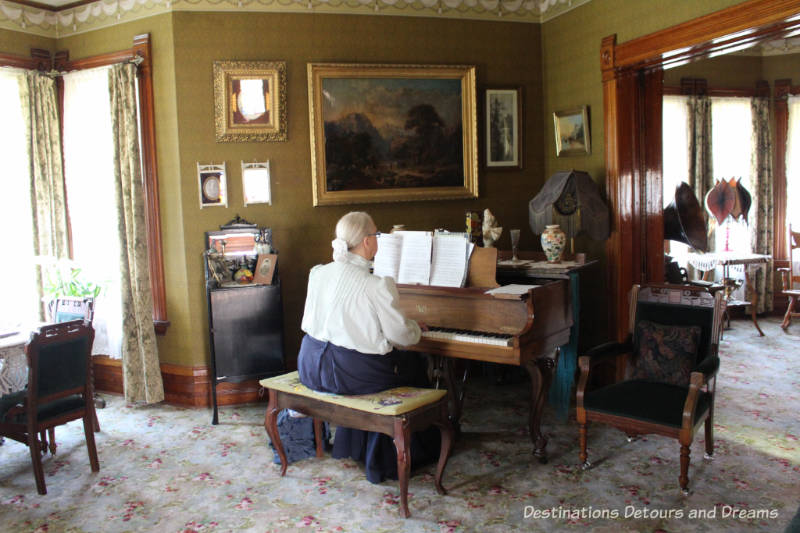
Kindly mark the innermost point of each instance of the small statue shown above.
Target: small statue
(491, 231)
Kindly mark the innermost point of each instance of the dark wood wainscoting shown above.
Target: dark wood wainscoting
(183, 385)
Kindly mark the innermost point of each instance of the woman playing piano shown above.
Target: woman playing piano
(353, 324)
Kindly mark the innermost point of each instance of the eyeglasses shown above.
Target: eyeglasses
(376, 234)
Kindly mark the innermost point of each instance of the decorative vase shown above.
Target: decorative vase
(553, 241)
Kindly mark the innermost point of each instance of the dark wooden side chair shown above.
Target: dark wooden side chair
(64, 309)
(791, 281)
(671, 364)
(59, 390)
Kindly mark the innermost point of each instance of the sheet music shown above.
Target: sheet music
(415, 257)
(387, 260)
(511, 289)
(450, 260)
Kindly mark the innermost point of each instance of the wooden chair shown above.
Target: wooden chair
(59, 390)
(791, 280)
(64, 309)
(671, 365)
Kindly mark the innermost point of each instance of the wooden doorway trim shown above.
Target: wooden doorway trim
(632, 121)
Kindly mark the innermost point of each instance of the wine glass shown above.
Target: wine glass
(514, 243)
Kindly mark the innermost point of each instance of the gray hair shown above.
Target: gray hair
(353, 227)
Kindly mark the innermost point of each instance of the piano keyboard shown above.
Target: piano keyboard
(475, 337)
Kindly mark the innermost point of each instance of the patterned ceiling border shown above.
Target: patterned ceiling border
(105, 13)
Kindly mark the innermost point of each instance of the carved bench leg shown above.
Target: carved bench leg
(402, 441)
(271, 425)
(582, 439)
(318, 436)
(447, 436)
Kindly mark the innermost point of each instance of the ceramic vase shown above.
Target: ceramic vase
(553, 241)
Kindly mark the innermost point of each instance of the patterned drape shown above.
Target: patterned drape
(140, 364)
(43, 137)
(762, 220)
(701, 175)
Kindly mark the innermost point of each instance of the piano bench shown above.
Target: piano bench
(395, 412)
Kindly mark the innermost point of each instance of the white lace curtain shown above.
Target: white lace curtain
(91, 198)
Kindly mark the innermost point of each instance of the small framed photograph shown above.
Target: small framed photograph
(255, 183)
(572, 131)
(250, 101)
(212, 184)
(504, 128)
(265, 269)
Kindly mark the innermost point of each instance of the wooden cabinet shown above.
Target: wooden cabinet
(245, 320)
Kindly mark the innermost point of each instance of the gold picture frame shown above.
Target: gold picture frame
(572, 131)
(392, 133)
(250, 101)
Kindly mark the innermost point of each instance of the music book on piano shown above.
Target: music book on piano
(420, 258)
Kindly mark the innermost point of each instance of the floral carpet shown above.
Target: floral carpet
(168, 469)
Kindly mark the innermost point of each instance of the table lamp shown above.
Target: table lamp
(572, 200)
(728, 200)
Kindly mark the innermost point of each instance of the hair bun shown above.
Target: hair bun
(339, 249)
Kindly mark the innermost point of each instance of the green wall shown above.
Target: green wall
(301, 232)
(14, 42)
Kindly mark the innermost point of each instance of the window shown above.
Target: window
(17, 270)
(14, 204)
(91, 196)
(732, 150)
(793, 164)
(675, 158)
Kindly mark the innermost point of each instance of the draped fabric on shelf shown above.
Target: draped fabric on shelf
(43, 137)
(762, 222)
(140, 364)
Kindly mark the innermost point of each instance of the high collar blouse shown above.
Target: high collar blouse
(352, 308)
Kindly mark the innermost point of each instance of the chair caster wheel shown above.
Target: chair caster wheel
(586, 465)
(685, 492)
(708, 457)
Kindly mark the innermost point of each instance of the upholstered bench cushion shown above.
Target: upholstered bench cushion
(389, 402)
(660, 403)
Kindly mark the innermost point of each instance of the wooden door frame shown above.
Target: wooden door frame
(632, 93)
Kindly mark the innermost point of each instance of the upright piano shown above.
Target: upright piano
(467, 323)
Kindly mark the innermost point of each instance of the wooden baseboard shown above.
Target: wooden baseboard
(183, 385)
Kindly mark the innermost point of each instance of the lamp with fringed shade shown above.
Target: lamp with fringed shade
(572, 200)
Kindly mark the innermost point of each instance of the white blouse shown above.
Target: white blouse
(350, 307)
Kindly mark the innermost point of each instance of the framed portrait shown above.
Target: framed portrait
(572, 131)
(256, 183)
(250, 101)
(212, 185)
(392, 133)
(265, 269)
(504, 128)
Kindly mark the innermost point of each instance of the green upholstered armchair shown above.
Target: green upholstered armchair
(59, 390)
(670, 366)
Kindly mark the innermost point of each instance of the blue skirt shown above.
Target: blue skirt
(326, 367)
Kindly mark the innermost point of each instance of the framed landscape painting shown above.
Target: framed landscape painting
(389, 133)
(572, 131)
(503, 130)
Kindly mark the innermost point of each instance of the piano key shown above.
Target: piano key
(475, 337)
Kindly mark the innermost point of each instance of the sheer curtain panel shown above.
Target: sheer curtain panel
(93, 206)
(19, 275)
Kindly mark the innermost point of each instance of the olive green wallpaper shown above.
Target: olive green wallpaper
(14, 42)
(301, 232)
(181, 345)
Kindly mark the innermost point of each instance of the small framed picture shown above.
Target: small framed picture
(572, 131)
(503, 128)
(265, 269)
(213, 185)
(256, 183)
